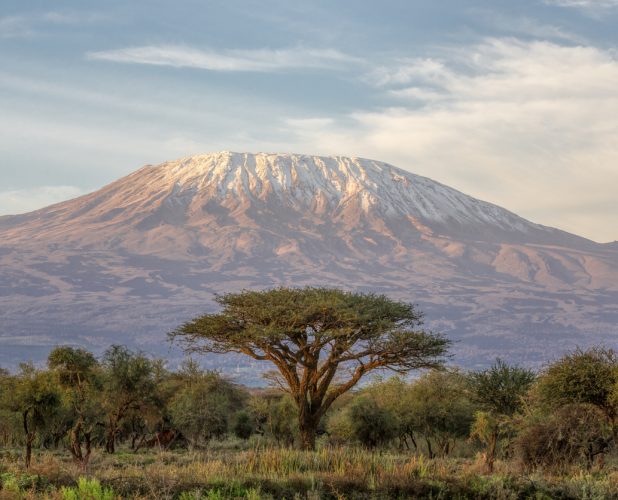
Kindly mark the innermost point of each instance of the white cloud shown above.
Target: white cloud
(405, 71)
(527, 125)
(228, 60)
(19, 201)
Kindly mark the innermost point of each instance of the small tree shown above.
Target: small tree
(78, 374)
(499, 391)
(36, 400)
(204, 405)
(313, 336)
(128, 387)
(440, 409)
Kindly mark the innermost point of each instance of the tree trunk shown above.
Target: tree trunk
(403, 441)
(308, 431)
(110, 443)
(86, 458)
(82, 458)
(29, 439)
(76, 447)
(446, 448)
(411, 434)
(307, 439)
(491, 452)
(429, 449)
(28, 457)
(308, 419)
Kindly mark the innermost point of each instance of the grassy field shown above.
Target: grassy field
(265, 472)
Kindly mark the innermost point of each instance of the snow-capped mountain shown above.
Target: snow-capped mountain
(130, 261)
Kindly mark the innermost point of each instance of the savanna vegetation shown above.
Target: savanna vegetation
(334, 422)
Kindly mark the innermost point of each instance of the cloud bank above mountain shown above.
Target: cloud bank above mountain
(528, 124)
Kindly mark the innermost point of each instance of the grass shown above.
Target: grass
(265, 472)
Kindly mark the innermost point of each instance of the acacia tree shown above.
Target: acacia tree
(321, 341)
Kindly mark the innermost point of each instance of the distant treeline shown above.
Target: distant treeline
(566, 414)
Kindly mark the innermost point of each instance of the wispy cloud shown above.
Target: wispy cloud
(594, 4)
(28, 25)
(15, 27)
(19, 201)
(525, 26)
(256, 60)
(527, 125)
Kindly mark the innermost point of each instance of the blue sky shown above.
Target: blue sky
(512, 102)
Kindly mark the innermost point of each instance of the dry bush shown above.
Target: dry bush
(574, 434)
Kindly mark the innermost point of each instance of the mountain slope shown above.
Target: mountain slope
(133, 259)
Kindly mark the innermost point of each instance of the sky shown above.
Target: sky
(515, 103)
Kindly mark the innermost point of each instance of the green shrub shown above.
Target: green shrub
(242, 427)
(372, 425)
(87, 489)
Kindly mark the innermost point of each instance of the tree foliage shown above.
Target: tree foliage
(501, 388)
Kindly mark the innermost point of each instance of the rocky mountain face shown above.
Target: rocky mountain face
(134, 259)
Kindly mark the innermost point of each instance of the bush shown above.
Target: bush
(371, 424)
(574, 434)
(87, 489)
(275, 417)
(202, 409)
(582, 377)
(339, 428)
(243, 427)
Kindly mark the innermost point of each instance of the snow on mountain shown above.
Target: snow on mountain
(178, 193)
(140, 255)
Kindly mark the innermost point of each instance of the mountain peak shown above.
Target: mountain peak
(334, 183)
(347, 194)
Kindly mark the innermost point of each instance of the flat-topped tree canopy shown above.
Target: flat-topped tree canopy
(322, 341)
